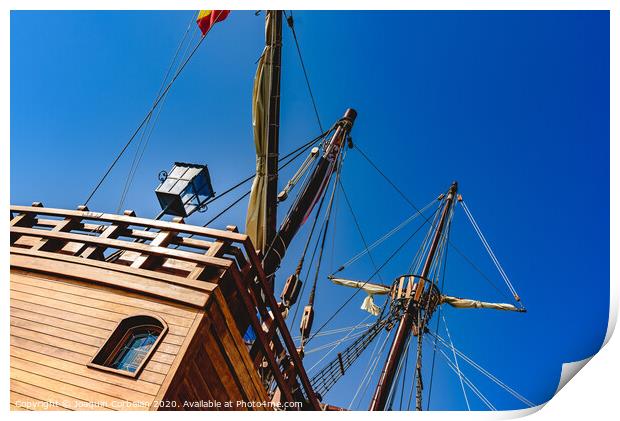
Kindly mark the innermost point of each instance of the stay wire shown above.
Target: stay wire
(148, 115)
(142, 144)
(400, 192)
(291, 24)
(297, 152)
(325, 230)
(359, 229)
(299, 266)
(358, 289)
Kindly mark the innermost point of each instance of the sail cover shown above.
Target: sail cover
(467, 303)
(371, 289)
(255, 223)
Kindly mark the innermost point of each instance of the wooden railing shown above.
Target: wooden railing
(176, 251)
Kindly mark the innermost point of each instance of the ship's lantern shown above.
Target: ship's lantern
(184, 189)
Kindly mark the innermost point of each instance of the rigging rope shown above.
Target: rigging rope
(394, 386)
(303, 256)
(338, 342)
(227, 208)
(485, 372)
(382, 239)
(400, 192)
(359, 230)
(469, 383)
(327, 377)
(456, 362)
(296, 152)
(142, 144)
(358, 289)
(328, 212)
(291, 24)
(341, 329)
(490, 251)
(372, 362)
(148, 115)
(334, 344)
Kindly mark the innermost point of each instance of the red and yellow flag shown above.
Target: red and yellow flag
(207, 18)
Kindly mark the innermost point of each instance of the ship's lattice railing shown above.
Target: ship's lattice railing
(178, 251)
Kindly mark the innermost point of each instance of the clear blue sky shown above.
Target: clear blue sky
(514, 105)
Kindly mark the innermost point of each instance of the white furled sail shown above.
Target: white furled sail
(467, 303)
(371, 289)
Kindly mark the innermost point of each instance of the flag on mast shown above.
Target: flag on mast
(207, 18)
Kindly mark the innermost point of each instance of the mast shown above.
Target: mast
(273, 18)
(380, 397)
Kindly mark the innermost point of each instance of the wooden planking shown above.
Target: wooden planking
(85, 383)
(147, 375)
(89, 350)
(64, 324)
(33, 404)
(54, 341)
(180, 363)
(57, 326)
(57, 332)
(102, 293)
(198, 379)
(80, 318)
(41, 395)
(81, 370)
(123, 270)
(232, 344)
(68, 389)
(90, 270)
(113, 309)
(171, 341)
(86, 310)
(217, 365)
(63, 314)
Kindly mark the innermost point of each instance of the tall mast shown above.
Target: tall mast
(380, 397)
(273, 18)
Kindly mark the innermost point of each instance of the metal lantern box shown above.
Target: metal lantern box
(185, 189)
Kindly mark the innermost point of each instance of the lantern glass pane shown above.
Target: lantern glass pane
(177, 172)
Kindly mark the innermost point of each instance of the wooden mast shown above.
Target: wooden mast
(273, 131)
(380, 397)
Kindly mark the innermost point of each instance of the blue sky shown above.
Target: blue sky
(513, 105)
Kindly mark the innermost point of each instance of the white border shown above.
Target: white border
(594, 395)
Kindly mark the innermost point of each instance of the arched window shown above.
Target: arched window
(131, 344)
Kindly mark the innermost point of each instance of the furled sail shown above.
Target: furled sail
(467, 303)
(369, 288)
(257, 207)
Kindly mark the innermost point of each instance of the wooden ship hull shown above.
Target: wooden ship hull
(76, 275)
